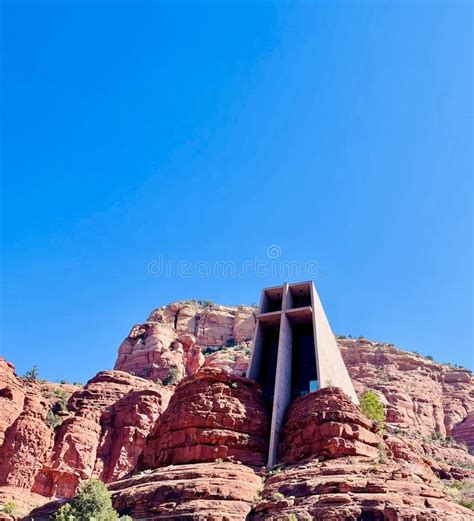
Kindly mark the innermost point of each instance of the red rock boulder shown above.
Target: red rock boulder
(326, 424)
(211, 415)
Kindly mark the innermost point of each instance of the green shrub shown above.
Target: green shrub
(173, 376)
(462, 492)
(373, 408)
(467, 503)
(63, 396)
(92, 502)
(9, 507)
(53, 420)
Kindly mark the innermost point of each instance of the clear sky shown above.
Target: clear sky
(140, 133)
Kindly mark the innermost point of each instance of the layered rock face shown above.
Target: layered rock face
(464, 431)
(26, 437)
(102, 433)
(326, 424)
(202, 457)
(12, 397)
(105, 434)
(342, 469)
(207, 491)
(202, 491)
(420, 395)
(211, 416)
(174, 337)
(356, 488)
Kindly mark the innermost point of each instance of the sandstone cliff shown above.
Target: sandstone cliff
(203, 455)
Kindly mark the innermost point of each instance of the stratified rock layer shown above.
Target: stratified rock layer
(327, 424)
(203, 491)
(174, 337)
(464, 431)
(357, 488)
(211, 415)
(105, 434)
(105, 430)
(420, 395)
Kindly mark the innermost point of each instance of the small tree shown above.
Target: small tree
(92, 502)
(373, 408)
(32, 375)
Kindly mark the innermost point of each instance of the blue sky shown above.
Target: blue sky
(204, 132)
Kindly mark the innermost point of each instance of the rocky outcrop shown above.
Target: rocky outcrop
(183, 462)
(125, 427)
(104, 435)
(211, 416)
(464, 431)
(420, 395)
(26, 438)
(326, 424)
(233, 360)
(357, 487)
(211, 491)
(102, 431)
(175, 336)
(26, 445)
(12, 397)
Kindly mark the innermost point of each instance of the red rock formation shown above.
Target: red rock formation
(105, 435)
(326, 424)
(210, 416)
(174, 337)
(125, 427)
(211, 491)
(464, 431)
(421, 395)
(26, 445)
(214, 416)
(12, 397)
(233, 360)
(353, 488)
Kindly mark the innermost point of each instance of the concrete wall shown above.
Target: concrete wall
(282, 381)
(332, 370)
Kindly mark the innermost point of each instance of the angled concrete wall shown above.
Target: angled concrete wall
(332, 370)
(288, 305)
